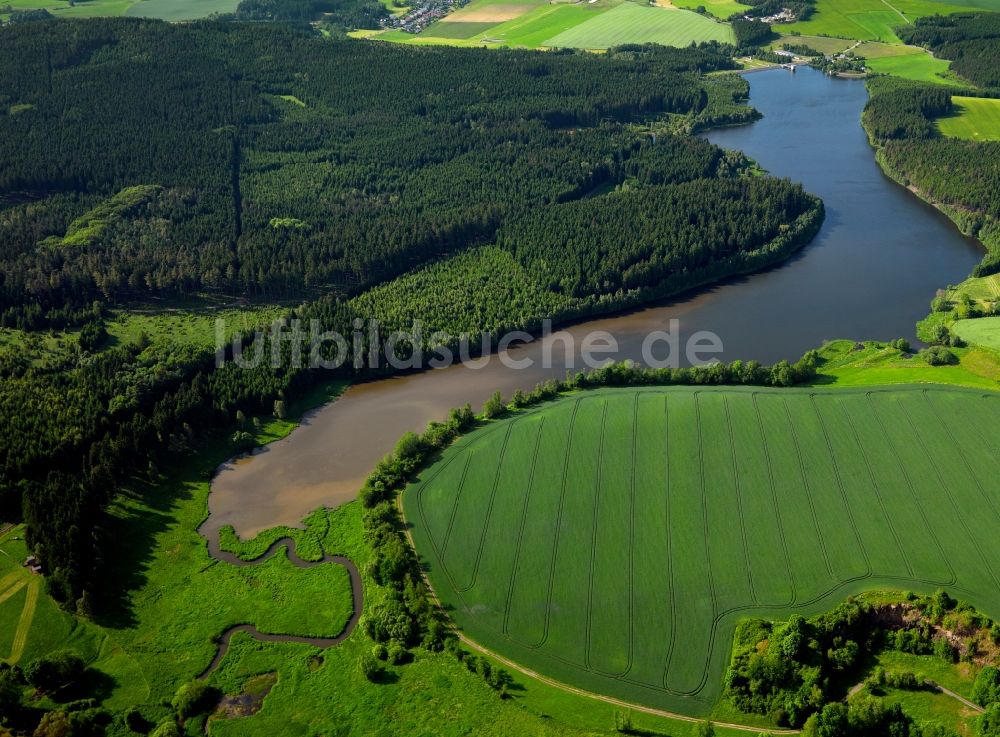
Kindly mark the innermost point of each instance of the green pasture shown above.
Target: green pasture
(822, 44)
(611, 540)
(878, 50)
(79, 9)
(175, 10)
(847, 364)
(867, 20)
(991, 5)
(631, 23)
(721, 9)
(928, 706)
(984, 331)
(974, 119)
(920, 66)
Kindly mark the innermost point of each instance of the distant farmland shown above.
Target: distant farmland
(591, 25)
(871, 20)
(177, 10)
(630, 23)
(612, 539)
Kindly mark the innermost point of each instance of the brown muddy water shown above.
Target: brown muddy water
(870, 273)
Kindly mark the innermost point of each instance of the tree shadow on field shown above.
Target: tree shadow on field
(142, 511)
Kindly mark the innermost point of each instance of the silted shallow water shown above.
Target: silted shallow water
(870, 273)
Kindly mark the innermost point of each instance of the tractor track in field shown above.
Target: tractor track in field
(951, 498)
(520, 531)
(558, 527)
(593, 539)
(905, 474)
(670, 542)
(737, 488)
(987, 497)
(514, 666)
(775, 505)
(357, 596)
(806, 485)
(840, 485)
(873, 480)
(489, 509)
(720, 615)
(611, 699)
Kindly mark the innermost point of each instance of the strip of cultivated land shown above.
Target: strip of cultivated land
(611, 539)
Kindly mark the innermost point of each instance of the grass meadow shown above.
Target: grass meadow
(607, 540)
(82, 9)
(176, 10)
(975, 119)
(822, 44)
(920, 66)
(721, 9)
(171, 10)
(984, 331)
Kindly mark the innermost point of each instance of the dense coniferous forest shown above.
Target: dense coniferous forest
(751, 33)
(598, 246)
(144, 160)
(262, 183)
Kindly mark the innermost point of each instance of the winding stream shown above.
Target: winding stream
(870, 273)
(357, 599)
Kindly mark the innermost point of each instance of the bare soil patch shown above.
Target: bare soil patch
(496, 13)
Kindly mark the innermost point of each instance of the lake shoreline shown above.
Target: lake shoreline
(875, 263)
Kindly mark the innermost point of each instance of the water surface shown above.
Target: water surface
(870, 273)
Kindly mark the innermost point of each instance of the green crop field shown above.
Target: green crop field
(630, 23)
(611, 540)
(530, 30)
(975, 119)
(536, 28)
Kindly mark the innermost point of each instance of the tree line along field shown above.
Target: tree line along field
(612, 540)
